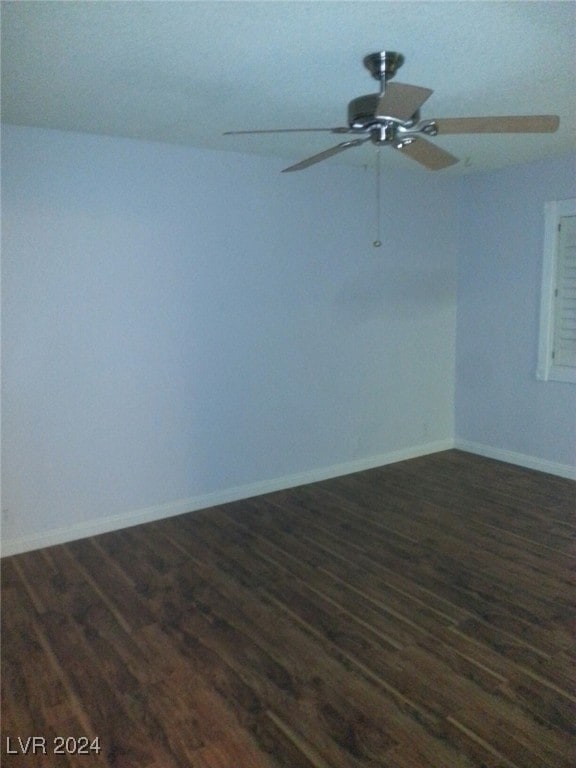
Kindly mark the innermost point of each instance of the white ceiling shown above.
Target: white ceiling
(185, 72)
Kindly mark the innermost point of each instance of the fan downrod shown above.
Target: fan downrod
(384, 64)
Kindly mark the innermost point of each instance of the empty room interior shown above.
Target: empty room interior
(288, 384)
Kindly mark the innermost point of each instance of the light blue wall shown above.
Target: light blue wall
(179, 322)
(499, 401)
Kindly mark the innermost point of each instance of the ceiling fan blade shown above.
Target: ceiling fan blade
(323, 155)
(401, 101)
(512, 124)
(290, 130)
(426, 153)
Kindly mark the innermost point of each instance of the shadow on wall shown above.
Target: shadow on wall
(375, 292)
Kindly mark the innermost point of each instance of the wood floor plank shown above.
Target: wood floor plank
(528, 637)
(419, 615)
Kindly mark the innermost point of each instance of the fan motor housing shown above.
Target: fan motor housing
(361, 111)
(362, 116)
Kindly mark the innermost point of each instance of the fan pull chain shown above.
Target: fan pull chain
(377, 243)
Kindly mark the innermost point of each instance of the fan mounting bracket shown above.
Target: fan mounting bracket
(429, 127)
(383, 65)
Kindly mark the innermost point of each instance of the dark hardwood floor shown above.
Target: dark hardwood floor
(418, 615)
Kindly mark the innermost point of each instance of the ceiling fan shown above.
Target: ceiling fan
(392, 118)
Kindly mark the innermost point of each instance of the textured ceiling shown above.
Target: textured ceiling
(185, 72)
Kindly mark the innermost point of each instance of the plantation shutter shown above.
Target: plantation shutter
(564, 347)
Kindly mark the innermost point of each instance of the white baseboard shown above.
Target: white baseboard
(521, 459)
(150, 514)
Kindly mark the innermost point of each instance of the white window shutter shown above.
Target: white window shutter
(564, 344)
(557, 337)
